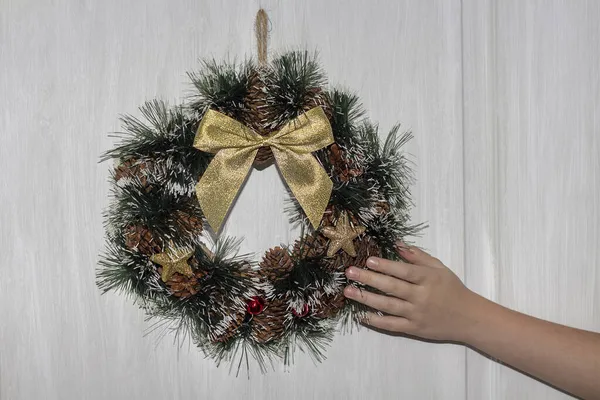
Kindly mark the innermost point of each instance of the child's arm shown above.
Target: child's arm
(426, 299)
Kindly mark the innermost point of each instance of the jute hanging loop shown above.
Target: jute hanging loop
(261, 28)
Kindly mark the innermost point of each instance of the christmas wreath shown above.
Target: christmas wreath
(177, 173)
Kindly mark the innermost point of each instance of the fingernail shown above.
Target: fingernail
(350, 291)
(372, 262)
(352, 273)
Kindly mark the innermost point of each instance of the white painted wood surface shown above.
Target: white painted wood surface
(532, 169)
(503, 97)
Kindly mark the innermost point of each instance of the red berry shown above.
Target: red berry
(303, 313)
(255, 305)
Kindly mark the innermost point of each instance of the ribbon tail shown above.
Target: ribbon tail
(219, 185)
(307, 180)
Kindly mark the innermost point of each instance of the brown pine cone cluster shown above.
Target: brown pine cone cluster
(316, 97)
(310, 246)
(331, 215)
(315, 245)
(270, 324)
(189, 222)
(228, 323)
(365, 248)
(140, 238)
(329, 306)
(382, 207)
(184, 286)
(132, 168)
(275, 265)
(264, 158)
(259, 114)
(342, 167)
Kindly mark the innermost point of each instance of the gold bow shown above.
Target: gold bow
(235, 147)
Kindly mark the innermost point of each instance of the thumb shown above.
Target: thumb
(414, 255)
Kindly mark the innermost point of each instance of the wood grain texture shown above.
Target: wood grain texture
(71, 67)
(517, 188)
(532, 187)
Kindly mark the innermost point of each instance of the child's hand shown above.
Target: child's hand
(424, 298)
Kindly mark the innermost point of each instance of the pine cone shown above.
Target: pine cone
(229, 323)
(316, 97)
(331, 215)
(270, 324)
(310, 246)
(382, 207)
(189, 222)
(276, 264)
(258, 114)
(132, 168)
(342, 167)
(329, 306)
(365, 248)
(184, 286)
(264, 158)
(140, 238)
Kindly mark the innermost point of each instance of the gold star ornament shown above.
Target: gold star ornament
(173, 261)
(342, 235)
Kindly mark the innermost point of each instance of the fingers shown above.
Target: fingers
(407, 272)
(390, 305)
(386, 284)
(387, 322)
(414, 255)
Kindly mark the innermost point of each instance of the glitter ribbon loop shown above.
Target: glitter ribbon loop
(235, 146)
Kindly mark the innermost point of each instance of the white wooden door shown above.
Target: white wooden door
(532, 169)
(503, 98)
